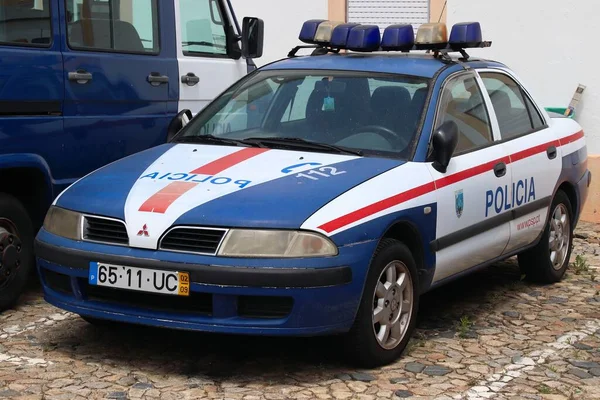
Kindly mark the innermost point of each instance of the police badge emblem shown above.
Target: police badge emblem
(459, 202)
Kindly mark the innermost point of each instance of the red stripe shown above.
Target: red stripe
(228, 161)
(571, 139)
(376, 207)
(161, 200)
(440, 183)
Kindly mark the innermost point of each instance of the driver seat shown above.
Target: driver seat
(390, 108)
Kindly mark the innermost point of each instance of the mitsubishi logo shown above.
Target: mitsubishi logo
(144, 231)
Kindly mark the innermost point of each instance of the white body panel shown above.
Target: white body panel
(216, 73)
(481, 247)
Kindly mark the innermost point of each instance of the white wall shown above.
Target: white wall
(283, 21)
(550, 44)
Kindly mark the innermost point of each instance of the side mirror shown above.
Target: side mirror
(253, 33)
(444, 141)
(178, 123)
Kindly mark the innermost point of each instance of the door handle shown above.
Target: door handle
(80, 76)
(156, 79)
(500, 169)
(190, 79)
(551, 152)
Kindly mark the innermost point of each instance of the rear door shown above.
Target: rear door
(534, 158)
(120, 72)
(31, 80)
(209, 61)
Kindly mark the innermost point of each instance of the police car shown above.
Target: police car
(323, 194)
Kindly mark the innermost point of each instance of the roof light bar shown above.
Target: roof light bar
(364, 38)
(465, 35)
(432, 36)
(324, 31)
(309, 30)
(339, 37)
(399, 37)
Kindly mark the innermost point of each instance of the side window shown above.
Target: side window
(25, 23)
(512, 112)
(129, 26)
(202, 28)
(536, 118)
(462, 102)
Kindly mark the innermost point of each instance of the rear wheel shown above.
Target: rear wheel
(16, 250)
(387, 313)
(547, 262)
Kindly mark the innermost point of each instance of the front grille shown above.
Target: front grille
(264, 306)
(193, 240)
(57, 282)
(104, 230)
(195, 303)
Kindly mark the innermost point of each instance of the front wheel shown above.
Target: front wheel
(387, 313)
(547, 262)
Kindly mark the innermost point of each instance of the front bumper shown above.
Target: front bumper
(249, 296)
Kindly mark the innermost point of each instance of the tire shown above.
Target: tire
(537, 263)
(361, 344)
(17, 260)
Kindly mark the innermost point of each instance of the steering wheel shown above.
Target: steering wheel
(386, 133)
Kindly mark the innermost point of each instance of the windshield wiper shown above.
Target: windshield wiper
(301, 143)
(214, 140)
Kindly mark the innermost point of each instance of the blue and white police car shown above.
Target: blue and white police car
(324, 194)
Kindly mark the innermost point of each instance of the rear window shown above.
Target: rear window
(25, 23)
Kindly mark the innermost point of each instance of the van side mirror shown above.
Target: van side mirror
(253, 33)
(178, 123)
(444, 141)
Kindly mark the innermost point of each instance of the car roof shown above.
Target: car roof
(422, 65)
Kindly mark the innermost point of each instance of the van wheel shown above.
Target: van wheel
(547, 262)
(387, 312)
(16, 250)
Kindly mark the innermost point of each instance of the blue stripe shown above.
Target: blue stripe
(105, 191)
(93, 274)
(286, 202)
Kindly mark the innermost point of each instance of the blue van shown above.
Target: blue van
(86, 82)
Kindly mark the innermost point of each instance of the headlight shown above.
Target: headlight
(62, 222)
(271, 243)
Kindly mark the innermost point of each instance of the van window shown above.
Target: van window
(202, 28)
(25, 23)
(127, 26)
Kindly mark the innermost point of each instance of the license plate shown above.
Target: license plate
(142, 279)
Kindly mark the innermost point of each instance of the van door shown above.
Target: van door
(209, 60)
(31, 80)
(120, 72)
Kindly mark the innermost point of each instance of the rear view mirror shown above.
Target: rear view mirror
(178, 123)
(253, 32)
(444, 141)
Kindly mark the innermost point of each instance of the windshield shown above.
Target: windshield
(368, 113)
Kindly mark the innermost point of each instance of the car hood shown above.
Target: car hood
(223, 186)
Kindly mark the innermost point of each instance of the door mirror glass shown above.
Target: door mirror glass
(178, 123)
(444, 142)
(253, 32)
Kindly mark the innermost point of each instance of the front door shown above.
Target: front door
(118, 78)
(472, 227)
(207, 64)
(535, 160)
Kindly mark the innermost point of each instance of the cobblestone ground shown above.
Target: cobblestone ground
(490, 335)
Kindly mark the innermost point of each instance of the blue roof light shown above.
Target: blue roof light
(309, 29)
(364, 38)
(465, 35)
(339, 37)
(400, 37)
